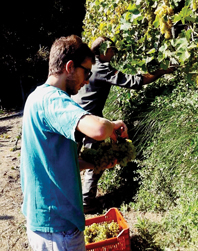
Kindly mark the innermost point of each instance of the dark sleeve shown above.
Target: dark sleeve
(125, 80)
(114, 77)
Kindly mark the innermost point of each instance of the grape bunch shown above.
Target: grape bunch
(195, 4)
(107, 153)
(195, 78)
(124, 151)
(149, 14)
(101, 231)
(163, 13)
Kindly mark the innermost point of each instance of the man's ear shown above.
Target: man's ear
(69, 65)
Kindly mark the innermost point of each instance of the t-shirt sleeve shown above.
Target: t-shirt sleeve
(112, 76)
(63, 114)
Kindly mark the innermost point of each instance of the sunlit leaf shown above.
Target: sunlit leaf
(185, 14)
(151, 51)
(182, 54)
(125, 26)
(133, 8)
(164, 64)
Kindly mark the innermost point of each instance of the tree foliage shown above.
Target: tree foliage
(162, 117)
(137, 30)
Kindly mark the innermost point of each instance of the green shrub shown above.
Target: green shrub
(161, 118)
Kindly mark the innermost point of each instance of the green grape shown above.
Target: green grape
(168, 35)
(195, 5)
(123, 151)
(149, 14)
(101, 231)
(165, 26)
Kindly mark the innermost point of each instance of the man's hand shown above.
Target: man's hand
(170, 70)
(112, 164)
(120, 129)
(151, 77)
(85, 165)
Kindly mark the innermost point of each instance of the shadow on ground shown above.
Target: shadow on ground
(5, 129)
(6, 217)
(139, 244)
(128, 187)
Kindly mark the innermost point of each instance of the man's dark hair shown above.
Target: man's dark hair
(65, 49)
(97, 43)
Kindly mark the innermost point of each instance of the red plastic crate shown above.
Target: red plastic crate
(119, 243)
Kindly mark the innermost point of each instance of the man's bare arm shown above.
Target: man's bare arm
(150, 77)
(85, 165)
(100, 128)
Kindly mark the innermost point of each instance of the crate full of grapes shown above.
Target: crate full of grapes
(108, 232)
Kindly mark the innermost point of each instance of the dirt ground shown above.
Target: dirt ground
(12, 222)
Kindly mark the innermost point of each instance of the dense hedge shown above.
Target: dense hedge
(162, 117)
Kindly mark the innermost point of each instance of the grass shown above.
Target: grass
(163, 125)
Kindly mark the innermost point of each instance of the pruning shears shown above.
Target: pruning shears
(119, 132)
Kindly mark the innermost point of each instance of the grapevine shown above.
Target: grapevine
(163, 13)
(101, 231)
(108, 152)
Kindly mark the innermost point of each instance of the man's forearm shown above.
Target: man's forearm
(85, 165)
(148, 78)
(95, 127)
(100, 128)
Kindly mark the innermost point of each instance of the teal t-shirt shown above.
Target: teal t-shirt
(50, 175)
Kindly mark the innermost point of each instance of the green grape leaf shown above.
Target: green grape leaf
(184, 15)
(125, 26)
(104, 46)
(183, 54)
(133, 8)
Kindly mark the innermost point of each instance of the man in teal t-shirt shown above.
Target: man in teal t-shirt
(50, 169)
(50, 119)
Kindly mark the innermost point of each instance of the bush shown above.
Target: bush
(162, 117)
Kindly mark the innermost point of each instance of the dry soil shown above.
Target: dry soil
(12, 222)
